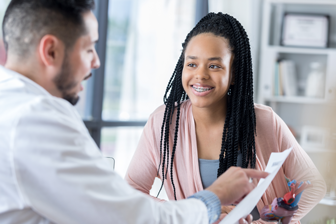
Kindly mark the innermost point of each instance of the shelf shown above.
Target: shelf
(325, 201)
(317, 150)
(304, 2)
(297, 99)
(301, 50)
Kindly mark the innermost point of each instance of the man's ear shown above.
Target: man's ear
(51, 51)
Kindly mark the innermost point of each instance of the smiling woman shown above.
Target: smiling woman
(209, 123)
(206, 77)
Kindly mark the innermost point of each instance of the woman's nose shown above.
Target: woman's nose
(202, 73)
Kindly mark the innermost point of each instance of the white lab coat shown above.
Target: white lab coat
(51, 171)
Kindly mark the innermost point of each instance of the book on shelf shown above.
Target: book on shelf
(285, 80)
(275, 79)
(281, 84)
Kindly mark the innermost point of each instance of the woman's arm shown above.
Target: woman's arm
(142, 170)
(300, 167)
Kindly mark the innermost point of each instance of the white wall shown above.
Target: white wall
(248, 13)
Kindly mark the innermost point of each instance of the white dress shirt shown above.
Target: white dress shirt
(51, 171)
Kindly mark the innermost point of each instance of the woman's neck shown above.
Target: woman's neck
(210, 116)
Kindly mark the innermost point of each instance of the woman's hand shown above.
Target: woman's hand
(225, 212)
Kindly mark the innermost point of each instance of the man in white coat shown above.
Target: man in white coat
(51, 171)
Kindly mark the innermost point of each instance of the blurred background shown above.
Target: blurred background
(293, 46)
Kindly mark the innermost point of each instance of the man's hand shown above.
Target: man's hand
(233, 185)
(226, 209)
(248, 220)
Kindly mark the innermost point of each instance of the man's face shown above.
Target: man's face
(79, 61)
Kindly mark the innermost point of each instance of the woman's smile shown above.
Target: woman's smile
(200, 90)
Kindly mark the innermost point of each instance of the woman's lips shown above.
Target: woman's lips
(201, 90)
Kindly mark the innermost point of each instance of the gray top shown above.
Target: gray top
(208, 171)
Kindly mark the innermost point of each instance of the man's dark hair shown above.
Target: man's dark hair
(27, 21)
(240, 122)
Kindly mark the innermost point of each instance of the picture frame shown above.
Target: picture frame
(314, 137)
(305, 30)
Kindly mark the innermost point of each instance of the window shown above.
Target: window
(140, 42)
(3, 56)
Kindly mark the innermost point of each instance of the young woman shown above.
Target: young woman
(209, 123)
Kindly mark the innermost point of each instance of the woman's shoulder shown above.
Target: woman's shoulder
(260, 108)
(267, 119)
(158, 111)
(263, 111)
(264, 115)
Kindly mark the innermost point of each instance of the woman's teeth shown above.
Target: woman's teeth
(202, 89)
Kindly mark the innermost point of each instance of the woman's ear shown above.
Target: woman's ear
(232, 76)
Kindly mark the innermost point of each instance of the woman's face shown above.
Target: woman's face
(206, 75)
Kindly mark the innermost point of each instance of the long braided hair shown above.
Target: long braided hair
(240, 122)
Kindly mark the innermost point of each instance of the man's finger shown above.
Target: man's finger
(255, 173)
(249, 218)
(251, 186)
(242, 221)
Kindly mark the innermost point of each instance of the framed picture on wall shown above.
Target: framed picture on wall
(313, 137)
(305, 30)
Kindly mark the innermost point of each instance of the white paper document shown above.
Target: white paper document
(245, 207)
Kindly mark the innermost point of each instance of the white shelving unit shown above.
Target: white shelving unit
(294, 50)
(271, 49)
(298, 111)
(326, 201)
(295, 99)
(317, 150)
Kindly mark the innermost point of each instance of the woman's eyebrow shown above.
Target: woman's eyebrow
(192, 57)
(215, 59)
(209, 59)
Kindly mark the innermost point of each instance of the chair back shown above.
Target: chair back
(111, 161)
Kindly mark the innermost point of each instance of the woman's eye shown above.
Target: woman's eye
(191, 65)
(214, 66)
(90, 51)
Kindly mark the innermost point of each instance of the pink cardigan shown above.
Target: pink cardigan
(273, 135)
